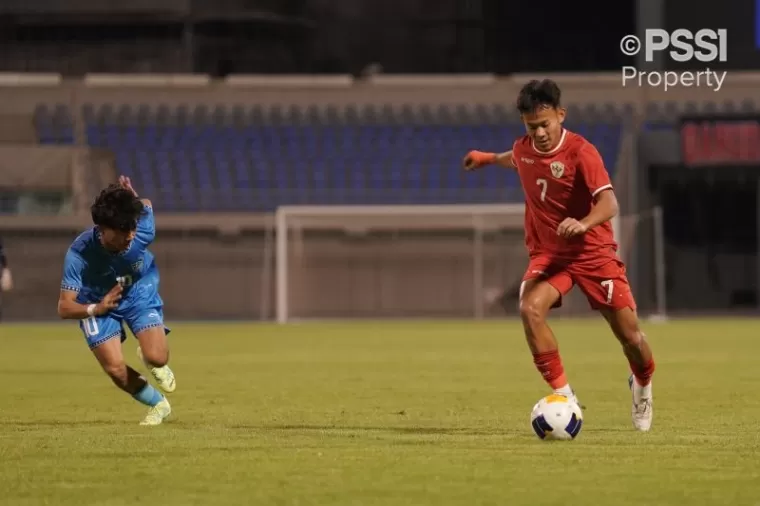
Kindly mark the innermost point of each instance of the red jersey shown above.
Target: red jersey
(559, 184)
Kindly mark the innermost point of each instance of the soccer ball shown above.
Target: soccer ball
(555, 417)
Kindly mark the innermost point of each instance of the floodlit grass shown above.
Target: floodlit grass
(404, 413)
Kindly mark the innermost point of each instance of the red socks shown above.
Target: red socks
(549, 365)
(643, 374)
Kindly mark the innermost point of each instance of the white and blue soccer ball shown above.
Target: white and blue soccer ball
(556, 417)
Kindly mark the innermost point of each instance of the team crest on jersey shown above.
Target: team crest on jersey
(558, 168)
(137, 266)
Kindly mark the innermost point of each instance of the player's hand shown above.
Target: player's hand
(110, 301)
(570, 227)
(126, 183)
(477, 159)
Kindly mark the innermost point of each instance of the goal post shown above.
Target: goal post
(643, 234)
(378, 261)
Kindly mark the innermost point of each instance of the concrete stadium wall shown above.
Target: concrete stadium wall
(203, 277)
(21, 97)
(211, 275)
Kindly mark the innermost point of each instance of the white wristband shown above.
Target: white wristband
(91, 309)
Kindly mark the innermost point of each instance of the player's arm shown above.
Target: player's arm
(70, 309)
(73, 269)
(591, 166)
(599, 185)
(3, 258)
(605, 208)
(73, 273)
(477, 159)
(126, 183)
(146, 226)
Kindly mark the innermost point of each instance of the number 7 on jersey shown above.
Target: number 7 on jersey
(543, 184)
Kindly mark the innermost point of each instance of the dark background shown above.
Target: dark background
(344, 36)
(312, 36)
(737, 16)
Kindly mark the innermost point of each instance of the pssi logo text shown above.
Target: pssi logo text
(706, 45)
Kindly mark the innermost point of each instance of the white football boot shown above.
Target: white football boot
(163, 375)
(641, 407)
(570, 394)
(577, 401)
(157, 413)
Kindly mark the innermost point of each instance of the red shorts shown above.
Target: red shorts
(602, 279)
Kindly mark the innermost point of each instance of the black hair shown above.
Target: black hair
(538, 94)
(116, 208)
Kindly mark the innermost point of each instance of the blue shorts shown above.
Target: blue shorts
(140, 311)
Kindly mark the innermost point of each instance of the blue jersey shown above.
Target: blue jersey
(92, 271)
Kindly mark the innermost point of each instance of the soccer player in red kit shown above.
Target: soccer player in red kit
(569, 202)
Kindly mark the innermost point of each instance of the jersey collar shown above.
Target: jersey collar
(552, 151)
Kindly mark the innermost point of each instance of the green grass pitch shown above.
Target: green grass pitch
(397, 413)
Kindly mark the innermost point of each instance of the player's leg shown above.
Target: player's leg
(608, 291)
(104, 336)
(625, 325)
(148, 327)
(538, 295)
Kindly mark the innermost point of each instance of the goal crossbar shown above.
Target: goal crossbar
(402, 217)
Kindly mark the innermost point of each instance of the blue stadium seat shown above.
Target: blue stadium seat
(239, 158)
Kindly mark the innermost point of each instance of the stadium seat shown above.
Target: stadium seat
(255, 158)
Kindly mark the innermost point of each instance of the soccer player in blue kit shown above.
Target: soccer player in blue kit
(109, 279)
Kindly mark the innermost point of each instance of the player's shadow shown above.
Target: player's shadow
(414, 430)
